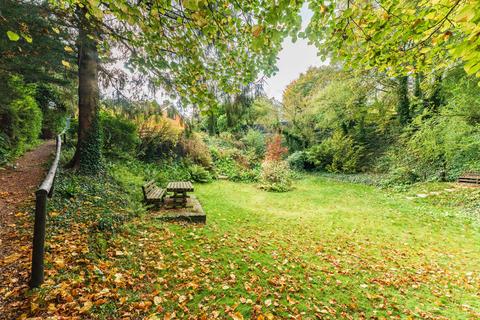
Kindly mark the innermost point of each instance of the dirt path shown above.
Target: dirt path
(17, 187)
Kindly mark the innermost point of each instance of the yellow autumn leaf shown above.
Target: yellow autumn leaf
(52, 307)
(256, 30)
(68, 49)
(66, 64)
(237, 316)
(86, 306)
(59, 262)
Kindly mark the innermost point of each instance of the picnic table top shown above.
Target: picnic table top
(180, 186)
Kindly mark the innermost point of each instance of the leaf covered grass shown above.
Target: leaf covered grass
(325, 250)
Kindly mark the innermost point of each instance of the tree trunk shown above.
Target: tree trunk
(403, 107)
(87, 158)
(212, 130)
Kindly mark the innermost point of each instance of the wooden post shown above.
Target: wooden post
(38, 248)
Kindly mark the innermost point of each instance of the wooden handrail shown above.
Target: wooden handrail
(47, 184)
(45, 190)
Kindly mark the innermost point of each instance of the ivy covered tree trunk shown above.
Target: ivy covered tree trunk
(436, 99)
(212, 130)
(403, 107)
(87, 158)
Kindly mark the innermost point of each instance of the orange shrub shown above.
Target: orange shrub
(275, 150)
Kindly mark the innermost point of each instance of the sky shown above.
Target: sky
(294, 59)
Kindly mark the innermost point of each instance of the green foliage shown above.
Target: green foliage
(104, 200)
(397, 36)
(134, 172)
(175, 36)
(159, 142)
(199, 174)
(276, 176)
(91, 160)
(297, 106)
(254, 140)
(20, 116)
(298, 160)
(54, 109)
(336, 154)
(196, 150)
(440, 149)
(403, 108)
(227, 166)
(120, 135)
(38, 51)
(233, 159)
(442, 142)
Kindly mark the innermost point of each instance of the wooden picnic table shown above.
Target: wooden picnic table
(179, 189)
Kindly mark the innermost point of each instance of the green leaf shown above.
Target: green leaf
(27, 38)
(12, 36)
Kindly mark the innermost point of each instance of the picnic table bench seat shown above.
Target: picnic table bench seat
(472, 178)
(152, 193)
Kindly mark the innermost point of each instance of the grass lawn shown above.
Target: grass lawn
(325, 250)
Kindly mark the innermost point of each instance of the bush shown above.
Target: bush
(276, 176)
(402, 176)
(439, 148)
(20, 116)
(275, 150)
(159, 141)
(336, 154)
(199, 174)
(255, 140)
(227, 166)
(120, 135)
(196, 150)
(298, 160)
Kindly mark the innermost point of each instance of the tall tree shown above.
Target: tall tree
(87, 155)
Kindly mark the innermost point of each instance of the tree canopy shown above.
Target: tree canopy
(398, 36)
(198, 50)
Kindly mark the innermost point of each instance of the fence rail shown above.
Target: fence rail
(44, 191)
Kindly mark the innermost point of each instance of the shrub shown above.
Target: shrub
(20, 116)
(159, 141)
(229, 167)
(338, 153)
(275, 150)
(402, 176)
(440, 148)
(199, 174)
(276, 176)
(297, 160)
(255, 140)
(196, 150)
(120, 135)
(4, 148)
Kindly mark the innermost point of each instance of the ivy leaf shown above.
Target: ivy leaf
(27, 38)
(66, 64)
(12, 36)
